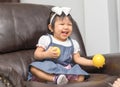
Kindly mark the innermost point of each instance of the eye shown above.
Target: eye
(61, 23)
(69, 24)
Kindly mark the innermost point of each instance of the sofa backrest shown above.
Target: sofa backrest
(21, 25)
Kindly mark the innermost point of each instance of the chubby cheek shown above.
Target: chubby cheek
(58, 30)
(70, 32)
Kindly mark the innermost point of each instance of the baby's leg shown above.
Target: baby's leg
(80, 78)
(58, 79)
(42, 75)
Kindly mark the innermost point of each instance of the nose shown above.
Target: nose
(66, 26)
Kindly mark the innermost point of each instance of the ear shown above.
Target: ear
(50, 27)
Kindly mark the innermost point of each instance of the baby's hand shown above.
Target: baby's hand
(116, 83)
(53, 52)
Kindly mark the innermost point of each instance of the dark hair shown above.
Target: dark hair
(61, 16)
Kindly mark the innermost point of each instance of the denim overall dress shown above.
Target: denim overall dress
(62, 65)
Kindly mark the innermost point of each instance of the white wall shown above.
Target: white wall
(118, 15)
(93, 20)
(77, 11)
(113, 26)
(101, 17)
(97, 26)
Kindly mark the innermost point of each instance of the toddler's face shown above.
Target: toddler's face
(62, 29)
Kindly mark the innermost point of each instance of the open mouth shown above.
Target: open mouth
(65, 32)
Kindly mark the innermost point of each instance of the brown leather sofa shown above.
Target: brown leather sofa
(21, 25)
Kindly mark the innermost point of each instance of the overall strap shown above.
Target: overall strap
(50, 39)
(71, 42)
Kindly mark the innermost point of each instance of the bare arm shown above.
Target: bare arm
(81, 60)
(40, 53)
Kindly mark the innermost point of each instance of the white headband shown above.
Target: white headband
(58, 11)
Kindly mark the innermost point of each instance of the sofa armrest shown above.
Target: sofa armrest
(9, 76)
(111, 67)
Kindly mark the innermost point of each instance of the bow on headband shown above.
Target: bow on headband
(59, 10)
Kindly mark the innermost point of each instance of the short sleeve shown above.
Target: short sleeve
(76, 46)
(43, 41)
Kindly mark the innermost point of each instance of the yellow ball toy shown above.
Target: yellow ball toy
(57, 49)
(98, 60)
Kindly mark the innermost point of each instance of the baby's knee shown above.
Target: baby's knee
(78, 79)
(81, 78)
(33, 69)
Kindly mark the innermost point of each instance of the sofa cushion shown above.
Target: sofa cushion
(96, 80)
(9, 77)
(19, 61)
(21, 26)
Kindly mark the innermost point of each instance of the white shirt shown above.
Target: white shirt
(44, 41)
